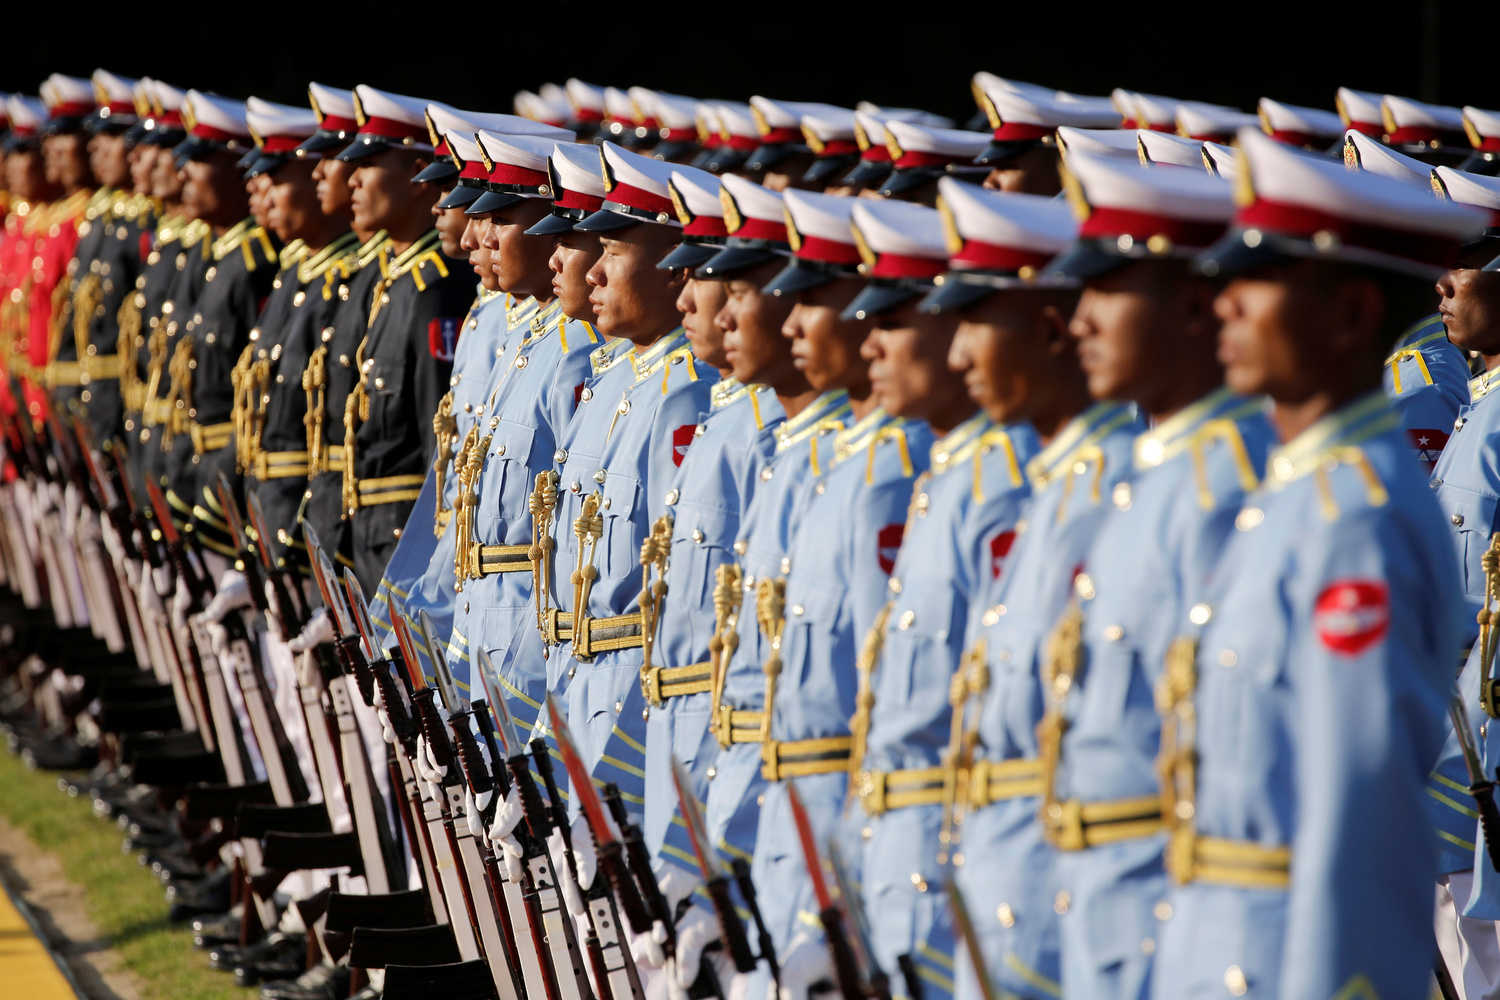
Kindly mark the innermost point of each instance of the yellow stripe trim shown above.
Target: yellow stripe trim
(1450, 838)
(1471, 813)
(628, 741)
(1443, 779)
(1049, 986)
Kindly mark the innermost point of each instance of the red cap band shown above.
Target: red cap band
(876, 154)
(1372, 129)
(635, 197)
(203, 131)
(895, 265)
(474, 170)
(588, 115)
(72, 109)
(508, 173)
(993, 257)
(280, 144)
(706, 225)
(1020, 131)
(336, 123)
(390, 128)
(1114, 222)
(577, 199)
(1292, 137)
(680, 135)
(916, 158)
(1304, 222)
(744, 143)
(839, 147)
(777, 136)
(828, 251)
(761, 229)
(1410, 135)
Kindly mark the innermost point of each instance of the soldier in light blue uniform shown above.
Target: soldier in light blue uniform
(615, 465)
(1307, 700)
(1467, 486)
(524, 407)
(420, 572)
(713, 488)
(1148, 335)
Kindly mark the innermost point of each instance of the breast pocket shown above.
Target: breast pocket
(620, 549)
(701, 542)
(509, 471)
(1472, 516)
(384, 384)
(919, 657)
(815, 612)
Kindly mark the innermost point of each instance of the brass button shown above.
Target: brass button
(298, 299)
(1005, 915)
(672, 497)
(560, 456)
(586, 395)
(600, 476)
(1458, 520)
(698, 534)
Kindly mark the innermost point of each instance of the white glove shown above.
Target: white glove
(273, 623)
(502, 833)
(555, 847)
(319, 629)
(161, 579)
(475, 821)
(218, 636)
(181, 601)
(431, 771)
(387, 731)
(805, 962)
(150, 596)
(584, 858)
(233, 591)
(646, 948)
(677, 884)
(695, 931)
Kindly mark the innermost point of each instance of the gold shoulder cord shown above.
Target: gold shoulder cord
(970, 682)
(770, 614)
(156, 363)
(864, 703)
(655, 551)
(1178, 762)
(728, 591)
(356, 409)
(1059, 671)
(467, 465)
(543, 503)
(180, 394)
(128, 344)
(1081, 459)
(1487, 631)
(314, 383)
(88, 295)
(445, 427)
(588, 527)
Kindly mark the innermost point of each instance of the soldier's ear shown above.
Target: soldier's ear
(1054, 328)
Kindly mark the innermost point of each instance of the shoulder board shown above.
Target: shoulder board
(233, 238)
(727, 391)
(602, 359)
(675, 359)
(1354, 457)
(562, 332)
(893, 431)
(991, 440)
(195, 232)
(292, 253)
(1226, 431)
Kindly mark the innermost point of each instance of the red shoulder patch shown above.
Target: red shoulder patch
(999, 549)
(1429, 444)
(442, 337)
(888, 543)
(682, 437)
(1350, 616)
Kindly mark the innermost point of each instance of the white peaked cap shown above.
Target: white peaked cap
(1364, 153)
(166, 96)
(1481, 125)
(577, 168)
(1196, 118)
(1099, 141)
(396, 107)
(332, 101)
(1170, 149)
(904, 114)
(751, 200)
(618, 105)
(706, 116)
(1405, 112)
(25, 111)
(585, 96)
(788, 114)
(465, 147)
(649, 198)
(1359, 106)
(59, 89)
(446, 119)
(1103, 105)
(538, 108)
(826, 126)
(1222, 161)
(1297, 124)
(698, 191)
(1468, 189)
(900, 227)
(110, 88)
(1147, 109)
(1008, 107)
(529, 152)
(1111, 182)
(825, 216)
(736, 119)
(299, 122)
(1024, 222)
(950, 142)
(217, 112)
(1368, 203)
(982, 82)
(553, 93)
(671, 111)
(271, 109)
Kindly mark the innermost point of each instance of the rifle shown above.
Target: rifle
(486, 905)
(109, 504)
(845, 968)
(863, 943)
(1480, 786)
(210, 683)
(960, 912)
(282, 769)
(715, 882)
(291, 614)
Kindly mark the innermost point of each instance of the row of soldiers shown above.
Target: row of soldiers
(865, 512)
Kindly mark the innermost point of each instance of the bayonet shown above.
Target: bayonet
(845, 969)
(715, 882)
(863, 942)
(960, 911)
(1480, 786)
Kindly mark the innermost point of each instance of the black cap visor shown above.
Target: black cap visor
(825, 167)
(721, 159)
(64, 125)
(882, 295)
(605, 220)
(953, 295)
(462, 196)
(689, 255)
(999, 152)
(492, 201)
(322, 141)
(673, 150)
(901, 181)
(767, 156)
(440, 171)
(867, 172)
(799, 275)
(365, 144)
(553, 224)
(165, 136)
(732, 259)
(267, 163)
(107, 122)
(198, 148)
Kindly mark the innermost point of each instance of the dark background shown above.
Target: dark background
(476, 53)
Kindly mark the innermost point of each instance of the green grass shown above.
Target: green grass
(123, 899)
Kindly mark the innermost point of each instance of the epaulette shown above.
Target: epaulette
(415, 257)
(995, 437)
(291, 254)
(1223, 429)
(831, 406)
(1481, 384)
(648, 362)
(959, 444)
(674, 358)
(195, 232)
(854, 437)
(1333, 442)
(310, 267)
(893, 431)
(369, 251)
(170, 229)
(1078, 442)
(562, 332)
(1177, 433)
(603, 358)
(233, 237)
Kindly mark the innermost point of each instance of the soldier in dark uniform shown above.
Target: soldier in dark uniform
(400, 365)
(271, 405)
(236, 269)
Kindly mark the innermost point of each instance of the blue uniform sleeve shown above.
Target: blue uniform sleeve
(671, 435)
(1368, 669)
(879, 524)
